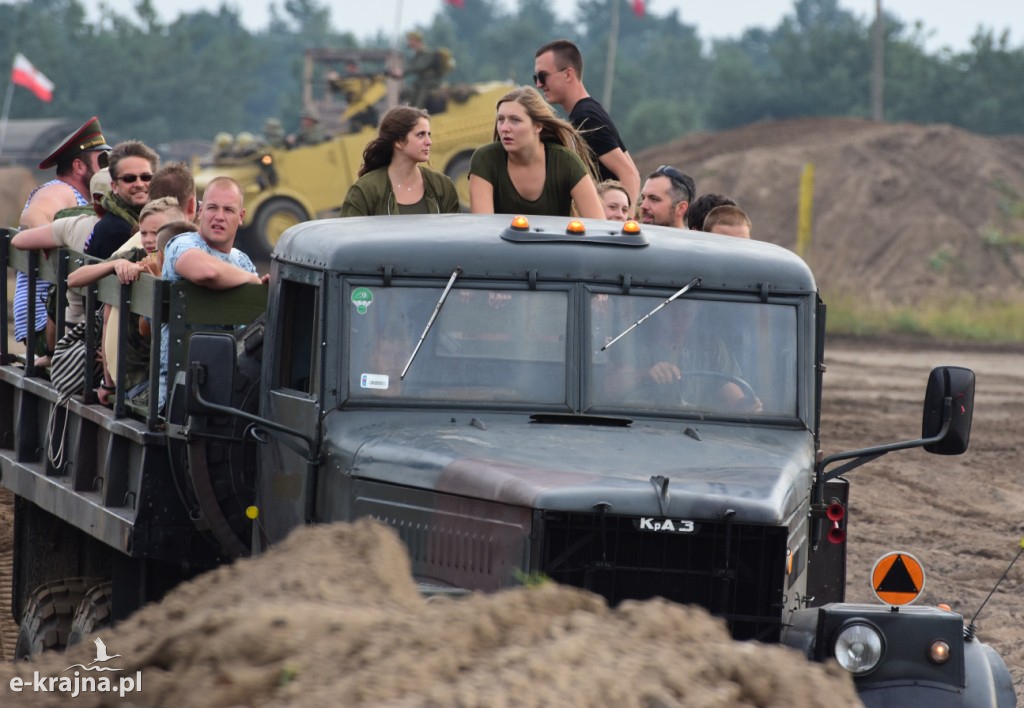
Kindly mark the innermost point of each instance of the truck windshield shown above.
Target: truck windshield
(516, 346)
(693, 355)
(484, 345)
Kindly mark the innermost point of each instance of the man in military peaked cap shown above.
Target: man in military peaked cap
(88, 138)
(76, 160)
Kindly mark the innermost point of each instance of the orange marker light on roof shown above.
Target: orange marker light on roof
(520, 223)
(576, 228)
(631, 227)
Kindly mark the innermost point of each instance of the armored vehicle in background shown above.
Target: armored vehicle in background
(348, 90)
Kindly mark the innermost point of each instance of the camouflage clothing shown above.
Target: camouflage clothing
(426, 72)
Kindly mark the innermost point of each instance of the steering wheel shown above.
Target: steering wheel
(750, 402)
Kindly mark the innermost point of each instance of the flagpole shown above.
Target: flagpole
(398, 25)
(7, 110)
(609, 65)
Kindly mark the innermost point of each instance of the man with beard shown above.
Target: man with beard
(132, 164)
(76, 160)
(666, 195)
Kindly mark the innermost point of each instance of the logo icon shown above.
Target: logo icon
(362, 298)
(101, 657)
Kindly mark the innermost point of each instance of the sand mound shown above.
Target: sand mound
(902, 213)
(15, 185)
(332, 612)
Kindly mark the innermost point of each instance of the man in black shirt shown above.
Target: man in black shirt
(559, 74)
(132, 164)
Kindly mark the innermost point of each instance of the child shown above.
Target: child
(616, 201)
(729, 221)
(138, 255)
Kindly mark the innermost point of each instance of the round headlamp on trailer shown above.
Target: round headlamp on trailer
(938, 651)
(858, 647)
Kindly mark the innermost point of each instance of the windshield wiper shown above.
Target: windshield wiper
(693, 283)
(433, 316)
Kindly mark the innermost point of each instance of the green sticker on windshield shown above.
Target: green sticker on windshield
(361, 298)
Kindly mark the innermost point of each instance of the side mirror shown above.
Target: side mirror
(957, 384)
(210, 373)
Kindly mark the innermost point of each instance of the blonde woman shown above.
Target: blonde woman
(534, 164)
(615, 199)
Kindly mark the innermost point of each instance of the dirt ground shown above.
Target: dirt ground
(332, 611)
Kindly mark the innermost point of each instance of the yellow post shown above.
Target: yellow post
(805, 211)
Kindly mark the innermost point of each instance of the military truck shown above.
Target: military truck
(610, 406)
(286, 185)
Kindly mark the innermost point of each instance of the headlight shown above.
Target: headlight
(858, 648)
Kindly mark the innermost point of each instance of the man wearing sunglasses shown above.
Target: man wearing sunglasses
(132, 164)
(666, 195)
(559, 74)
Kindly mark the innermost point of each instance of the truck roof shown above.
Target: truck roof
(483, 246)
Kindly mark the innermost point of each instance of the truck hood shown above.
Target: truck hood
(759, 474)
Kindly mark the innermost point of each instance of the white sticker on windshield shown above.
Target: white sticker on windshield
(374, 381)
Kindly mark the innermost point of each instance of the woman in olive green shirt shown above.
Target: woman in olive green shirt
(534, 165)
(392, 178)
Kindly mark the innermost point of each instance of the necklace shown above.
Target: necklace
(398, 185)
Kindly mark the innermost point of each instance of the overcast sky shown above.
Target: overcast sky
(952, 22)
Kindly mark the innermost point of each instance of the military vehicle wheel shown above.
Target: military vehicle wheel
(274, 218)
(46, 623)
(458, 170)
(92, 614)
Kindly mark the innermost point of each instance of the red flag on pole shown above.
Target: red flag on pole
(456, 3)
(24, 74)
(638, 8)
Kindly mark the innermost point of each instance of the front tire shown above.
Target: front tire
(273, 218)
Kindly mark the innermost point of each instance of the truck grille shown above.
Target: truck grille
(735, 571)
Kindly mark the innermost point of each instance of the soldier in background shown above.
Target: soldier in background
(310, 131)
(245, 145)
(222, 143)
(427, 68)
(273, 133)
(353, 86)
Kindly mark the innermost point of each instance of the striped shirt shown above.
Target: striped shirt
(42, 287)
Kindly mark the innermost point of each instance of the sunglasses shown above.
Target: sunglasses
(541, 77)
(130, 179)
(679, 178)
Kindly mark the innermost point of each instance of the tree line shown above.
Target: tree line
(205, 73)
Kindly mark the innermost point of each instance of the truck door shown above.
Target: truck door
(293, 399)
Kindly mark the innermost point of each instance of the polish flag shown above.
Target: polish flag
(456, 3)
(638, 8)
(24, 74)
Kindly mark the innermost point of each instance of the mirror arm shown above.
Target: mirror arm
(269, 425)
(865, 455)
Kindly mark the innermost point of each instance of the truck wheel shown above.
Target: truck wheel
(458, 170)
(274, 218)
(46, 623)
(92, 614)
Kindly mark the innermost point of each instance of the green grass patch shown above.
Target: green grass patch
(963, 318)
